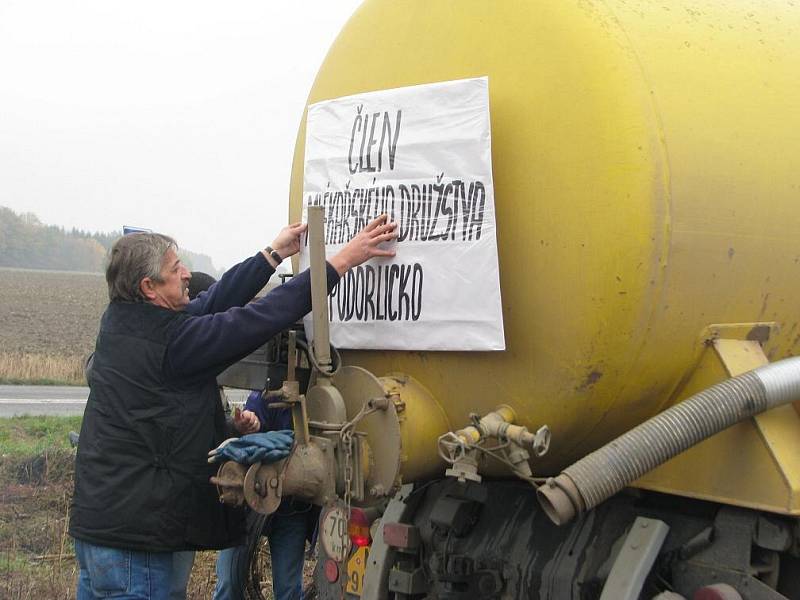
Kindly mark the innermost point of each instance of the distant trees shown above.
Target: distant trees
(199, 262)
(27, 243)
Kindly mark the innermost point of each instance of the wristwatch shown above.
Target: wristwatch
(274, 254)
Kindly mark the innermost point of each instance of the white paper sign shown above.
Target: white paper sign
(422, 155)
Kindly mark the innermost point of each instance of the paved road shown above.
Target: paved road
(60, 400)
(42, 400)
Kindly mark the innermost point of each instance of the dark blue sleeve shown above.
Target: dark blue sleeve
(254, 402)
(272, 419)
(206, 345)
(236, 287)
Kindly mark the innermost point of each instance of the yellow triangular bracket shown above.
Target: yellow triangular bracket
(756, 463)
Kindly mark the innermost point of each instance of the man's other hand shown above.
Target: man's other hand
(246, 421)
(288, 241)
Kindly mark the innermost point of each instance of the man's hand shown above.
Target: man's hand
(365, 245)
(246, 421)
(288, 241)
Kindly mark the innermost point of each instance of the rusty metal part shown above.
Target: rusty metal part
(297, 404)
(325, 404)
(462, 448)
(560, 499)
(422, 420)
(291, 357)
(500, 424)
(319, 289)
(382, 428)
(229, 481)
(304, 474)
(387, 427)
(263, 487)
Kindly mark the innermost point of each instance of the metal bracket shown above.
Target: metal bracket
(635, 559)
(760, 331)
(465, 468)
(408, 582)
(764, 450)
(263, 487)
(230, 483)
(778, 427)
(381, 554)
(319, 289)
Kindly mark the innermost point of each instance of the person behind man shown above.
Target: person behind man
(142, 488)
(286, 529)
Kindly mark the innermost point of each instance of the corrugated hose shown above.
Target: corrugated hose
(604, 472)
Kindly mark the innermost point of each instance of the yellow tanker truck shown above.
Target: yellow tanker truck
(639, 436)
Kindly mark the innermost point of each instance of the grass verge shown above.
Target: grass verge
(36, 470)
(37, 556)
(26, 436)
(41, 369)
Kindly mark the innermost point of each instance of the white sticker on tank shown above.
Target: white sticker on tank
(422, 155)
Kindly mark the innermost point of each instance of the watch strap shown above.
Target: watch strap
(274, 254)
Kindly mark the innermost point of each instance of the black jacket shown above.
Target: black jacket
(141, 475)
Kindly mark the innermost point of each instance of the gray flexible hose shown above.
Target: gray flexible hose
(604, 472)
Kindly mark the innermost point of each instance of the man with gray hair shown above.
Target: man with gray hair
(142, 488)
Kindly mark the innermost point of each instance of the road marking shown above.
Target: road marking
(40, 401)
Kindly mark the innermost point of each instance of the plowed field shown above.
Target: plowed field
(50, 312)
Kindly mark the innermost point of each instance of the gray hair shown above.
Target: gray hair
(132, 258)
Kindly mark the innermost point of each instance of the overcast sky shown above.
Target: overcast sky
(175, 115)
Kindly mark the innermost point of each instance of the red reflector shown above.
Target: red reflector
(331, 571)
(718, 591)
(401, 535)
(358, 528)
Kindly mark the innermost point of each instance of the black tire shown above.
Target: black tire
(248, 572)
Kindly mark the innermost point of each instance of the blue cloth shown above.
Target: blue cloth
(122, 574)
(268, 446)
(286, 532)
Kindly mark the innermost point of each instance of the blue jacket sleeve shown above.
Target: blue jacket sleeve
(272, 419)
(236, 287)
(206, 345)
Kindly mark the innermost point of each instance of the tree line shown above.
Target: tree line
(27, 243)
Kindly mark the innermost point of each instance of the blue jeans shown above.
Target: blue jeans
(286, 533)
(130, 574)
(122, 574)
(181, 570)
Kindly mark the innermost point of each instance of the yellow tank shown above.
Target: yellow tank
(647, 185)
